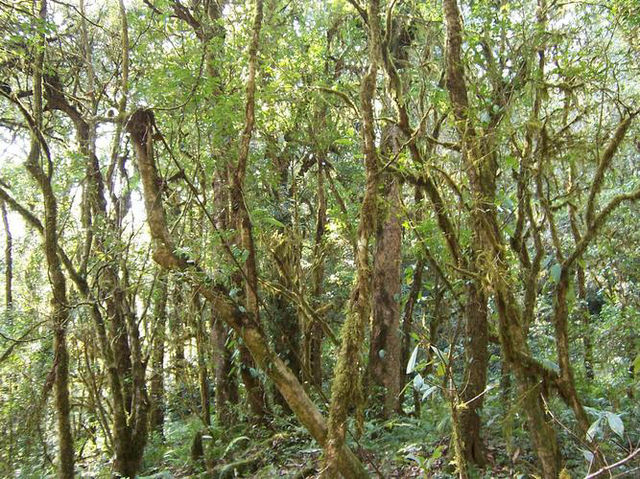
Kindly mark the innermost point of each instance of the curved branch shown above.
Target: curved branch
(604, 164)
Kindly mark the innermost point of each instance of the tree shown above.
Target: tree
(358, 216)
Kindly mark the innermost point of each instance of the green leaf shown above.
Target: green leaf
(437, 454)
(274, 222)
(593, 429)
(412, 360)
(428, 392)
(418, 382)
(234, 442)
(588, 455)
(511, 162)
(615, 423)
(555, 272)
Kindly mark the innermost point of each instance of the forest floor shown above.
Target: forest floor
(405, 447)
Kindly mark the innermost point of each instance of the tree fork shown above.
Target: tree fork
(482, 181)
(140, 127)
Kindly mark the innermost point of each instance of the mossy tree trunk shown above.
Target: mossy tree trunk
(40, 165)
(226, 383)
(481, 169)
(8, 257)
(140, 127)
(242, 222)
(313, 333)
(346, 390)
(475, 376)
(284, 325)
(385, 345)
(475, 313)
(156, 389)
(127, 379)
(197, 314)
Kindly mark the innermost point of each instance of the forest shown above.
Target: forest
(320, 239)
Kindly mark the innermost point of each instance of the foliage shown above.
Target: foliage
(550, 126)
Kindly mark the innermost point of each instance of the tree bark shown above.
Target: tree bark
(128, 390)
(39, 155)
(156, 394)
(177, 333)
(475, 377)
(346, 390)
(313, 334)
(284, 324)
(582, 296)
(226, 386)
(197, 328)
(8, 259)
(385, 345)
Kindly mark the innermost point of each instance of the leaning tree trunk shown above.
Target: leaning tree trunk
(140, 127)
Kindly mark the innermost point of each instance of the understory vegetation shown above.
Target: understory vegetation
(320, 239)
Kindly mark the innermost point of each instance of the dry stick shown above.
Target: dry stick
(567, 429)
(615, 464)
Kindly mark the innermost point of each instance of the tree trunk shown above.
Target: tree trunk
(475, 377)
(561, 327)
(241, 220)
(385, 346)
(284, 324)
(128, 390)
(177, 334)
(412, 299)
(226, 386)
(39, 154)
(226, 383)
(481, 170)
(8, 260)
(156, 395)
(346, 390)
(582, 296)
(313, 334)
(201, 357)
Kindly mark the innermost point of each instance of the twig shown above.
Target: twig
(615, 464)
